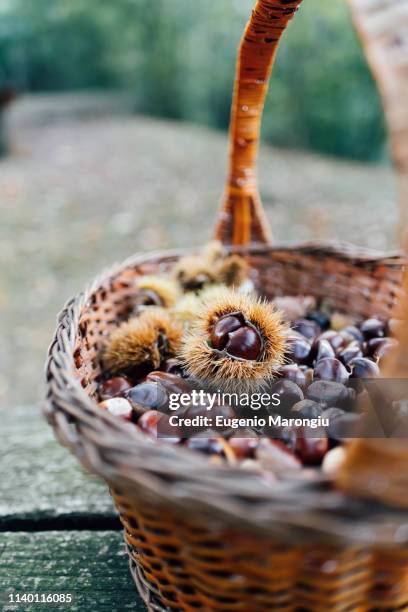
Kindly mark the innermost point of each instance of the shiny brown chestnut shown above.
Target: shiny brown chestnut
(328, 393)
(173, 366)
(333, 413)
(298, 349)
(361, 367)
(113, 387)
(372, 328)
(171, 382)
(289, 394)
(383, 351)
(293, 373)
(237, 336)
(157, 425)
(351, 351)
(311, 445)
(172, 434)
(147, 396)
(321, 349)
(352, 332)
(376, 346)
(336, 340)
(308, 328)
(148, 422)
(331, 369)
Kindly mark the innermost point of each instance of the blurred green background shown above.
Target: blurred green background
(176, 58)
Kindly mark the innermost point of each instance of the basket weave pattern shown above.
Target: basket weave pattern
(185, 568)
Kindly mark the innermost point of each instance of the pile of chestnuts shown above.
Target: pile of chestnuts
(191, 332)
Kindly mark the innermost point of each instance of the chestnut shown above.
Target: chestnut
(286, 435)
(394, 326)
(351, 351)
(237, 336)
(380, 347)
(311, 445)
(293, 373)
(321, 349)
(244, 443)
(172, 434)
(157, 425)
(147, 396)
(331, 369)
(344, 426)
(334, 338)
(383, 351)
(372, 328)
(171, 382)
(152, 290)
(361, 367)
(148, 422)
(298, 349)
(141, 343)
(333, 413)
(339, 320)
(308, 328)
(352, 332)
(118, 406)
(237, 342)
(328, 393)
(307, 409)
(289, 394)
(113, 387)
(173, 366)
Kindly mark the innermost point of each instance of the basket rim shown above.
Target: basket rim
(295, 508)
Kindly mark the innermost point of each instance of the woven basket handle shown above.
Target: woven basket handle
(241, 219)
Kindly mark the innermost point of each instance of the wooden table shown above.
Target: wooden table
(59, 532)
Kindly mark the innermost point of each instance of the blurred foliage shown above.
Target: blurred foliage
(177, 58)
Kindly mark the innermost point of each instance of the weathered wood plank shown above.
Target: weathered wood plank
(40, 480)
(91, 565)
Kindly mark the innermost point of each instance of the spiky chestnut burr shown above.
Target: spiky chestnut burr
(232, 271)
(236, 343)
(210, 267)
(186, 309)
(155, 291)
(143, 341)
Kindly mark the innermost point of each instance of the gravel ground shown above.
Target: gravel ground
(83, 190)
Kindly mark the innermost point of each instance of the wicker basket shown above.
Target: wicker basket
(203, 536)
